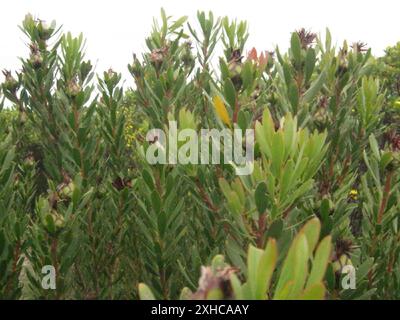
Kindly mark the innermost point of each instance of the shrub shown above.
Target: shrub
(78, 194)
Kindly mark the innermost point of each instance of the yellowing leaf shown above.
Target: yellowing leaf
(315, 292)
(145, 292)
(221, 110)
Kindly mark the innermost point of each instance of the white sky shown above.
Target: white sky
(114, 29)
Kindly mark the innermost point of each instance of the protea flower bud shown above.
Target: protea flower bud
(341, 255)
(343, 62)
(135, 68)
(59, 220)
(36, 60)
(338, 265)
(66, 188)
(29, 160)
(111, 77)
(51, 220)
(395, 162)
(28, 20)
(321, 117)
(44, 30)
(235, 68)
(10, 83)
(111, 74)
(187, 57)
(73, 88)
(157, 57)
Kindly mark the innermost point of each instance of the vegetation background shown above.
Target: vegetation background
(78, 194)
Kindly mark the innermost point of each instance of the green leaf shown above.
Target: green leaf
(266, 268)
(300, 267)
(247, 76)
(230, 92)
(278, 151)
(315, 87)
(243, 120)
(312, 230)
(320, 262)
(253, 259)
(237, 287)
(178, 23)
(374, 146)
(328, 40)
(293, 93)
(296, 48)
(324, 210)
(260, 196)
(225, 187)
(156, 201)
(316, 292)
(294, 269)
(275, 229)
(186, 294)
(310, 64)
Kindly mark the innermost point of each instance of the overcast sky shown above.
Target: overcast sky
(114, 29)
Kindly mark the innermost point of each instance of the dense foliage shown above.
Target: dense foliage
(78, 194)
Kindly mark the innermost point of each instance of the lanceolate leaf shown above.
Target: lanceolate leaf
(320, 262)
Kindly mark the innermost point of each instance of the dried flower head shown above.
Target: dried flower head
(157, 56)
(393, 139)
(122, 183)
(236, 56)
(307, 38)
(323, 102)
(219, 280)
(359, 47)
(342, 247)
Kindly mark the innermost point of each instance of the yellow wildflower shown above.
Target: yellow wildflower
(353, 194)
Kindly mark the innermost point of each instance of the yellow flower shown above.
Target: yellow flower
(353, 194)
(221, 110)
